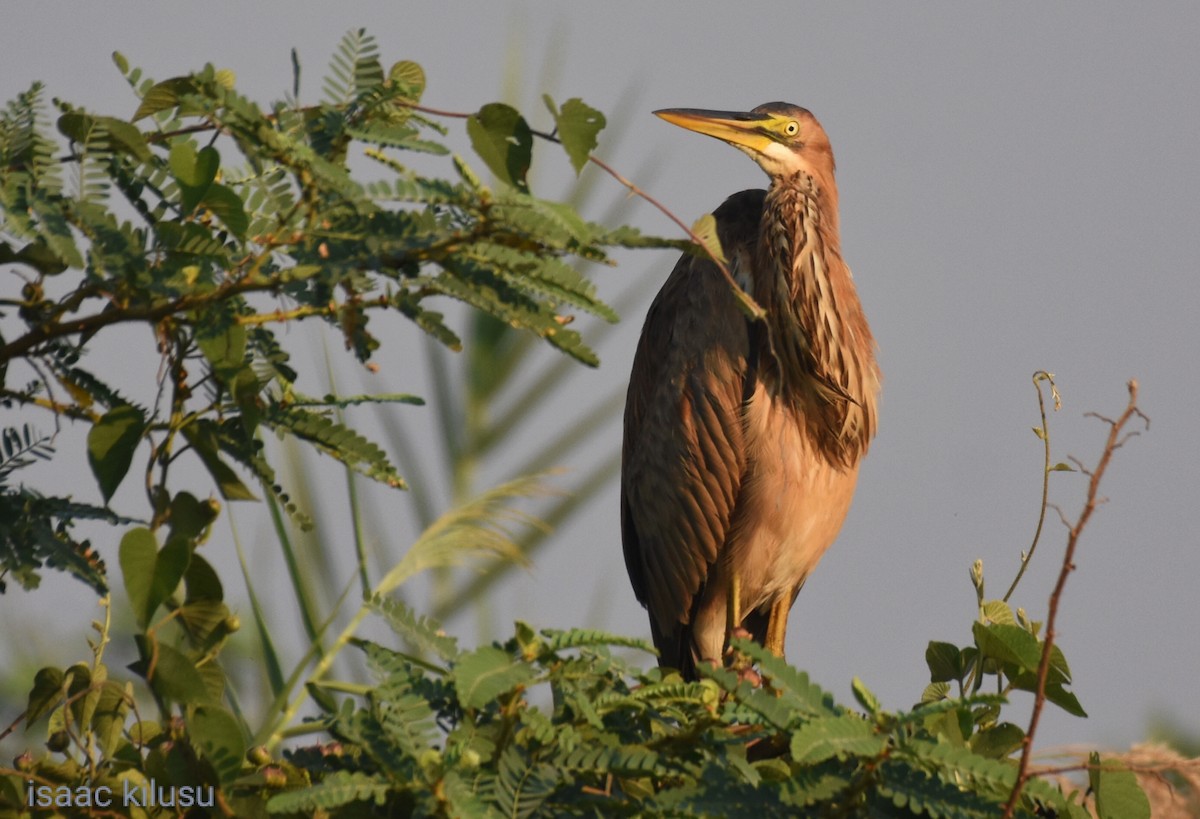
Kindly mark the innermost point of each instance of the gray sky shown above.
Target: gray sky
(1019, 190)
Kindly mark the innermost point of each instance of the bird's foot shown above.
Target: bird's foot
(739, 663)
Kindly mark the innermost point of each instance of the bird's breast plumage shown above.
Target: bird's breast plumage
(793, 501)
(819, 353)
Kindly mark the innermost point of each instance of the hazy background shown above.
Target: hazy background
(1020, 189)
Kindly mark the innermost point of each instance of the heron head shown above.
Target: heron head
(782, 138)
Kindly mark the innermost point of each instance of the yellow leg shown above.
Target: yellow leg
(777, 625)
(733, 605)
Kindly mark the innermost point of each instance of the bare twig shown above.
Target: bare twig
(1116, 436)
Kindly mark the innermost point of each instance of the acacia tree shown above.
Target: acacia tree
(214, 221)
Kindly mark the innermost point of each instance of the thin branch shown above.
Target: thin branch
(151, 313)
(437, 112)
(72, 411)
(1115, 436)
(295, 314)
(743, 297)
(1132, 767)
(1044, 434)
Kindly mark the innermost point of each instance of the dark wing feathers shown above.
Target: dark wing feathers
(683, 456)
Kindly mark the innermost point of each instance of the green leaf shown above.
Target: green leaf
(170, 566)
(335, 789)
(425, 634)
(1057, 674)
(338, 441)
(997, 611)
(202, 581)
(227, 206)
(484, 674)
(911, 792)
(409, 79)
(207, 622)
(138, 554)
(191, 517)
(705, 229)
(164, 96)
(967, 769)
(523, 785)
(79, 681)
(108, 720)
(585, 637)
(111, 443)
(224, 347)
(541, 275)
(944, 661)
(1059, 670)
(356, 51)
(194, 171)
(171, 674)
(151, 576)
(343, 401)
(37, 255)
(76, 126)
(218, 737)
(126, 138)
(828, 737)
(768, 708)
(1008, 644)
(935, 692)
(47, 690)
(501, 137)
(82, 128)
(1118, 795)
(789, 686)
(866, 698)
(404, 713)
(202, 436)
(391, 134)
(192, 168)
(998, 741)
(577, 124)
(1064, 699)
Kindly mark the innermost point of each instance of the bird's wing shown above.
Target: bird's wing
(684, 458)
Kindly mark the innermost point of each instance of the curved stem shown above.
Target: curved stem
(1044, 434)
(320, 670)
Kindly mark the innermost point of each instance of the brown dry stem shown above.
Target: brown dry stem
(1118, 434)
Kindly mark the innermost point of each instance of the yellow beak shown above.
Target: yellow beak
(740, 128)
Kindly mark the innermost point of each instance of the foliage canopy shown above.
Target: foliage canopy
(213, 221)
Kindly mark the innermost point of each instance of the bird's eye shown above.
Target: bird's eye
(792, 128)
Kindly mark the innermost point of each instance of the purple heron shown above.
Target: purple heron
(743, 438)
